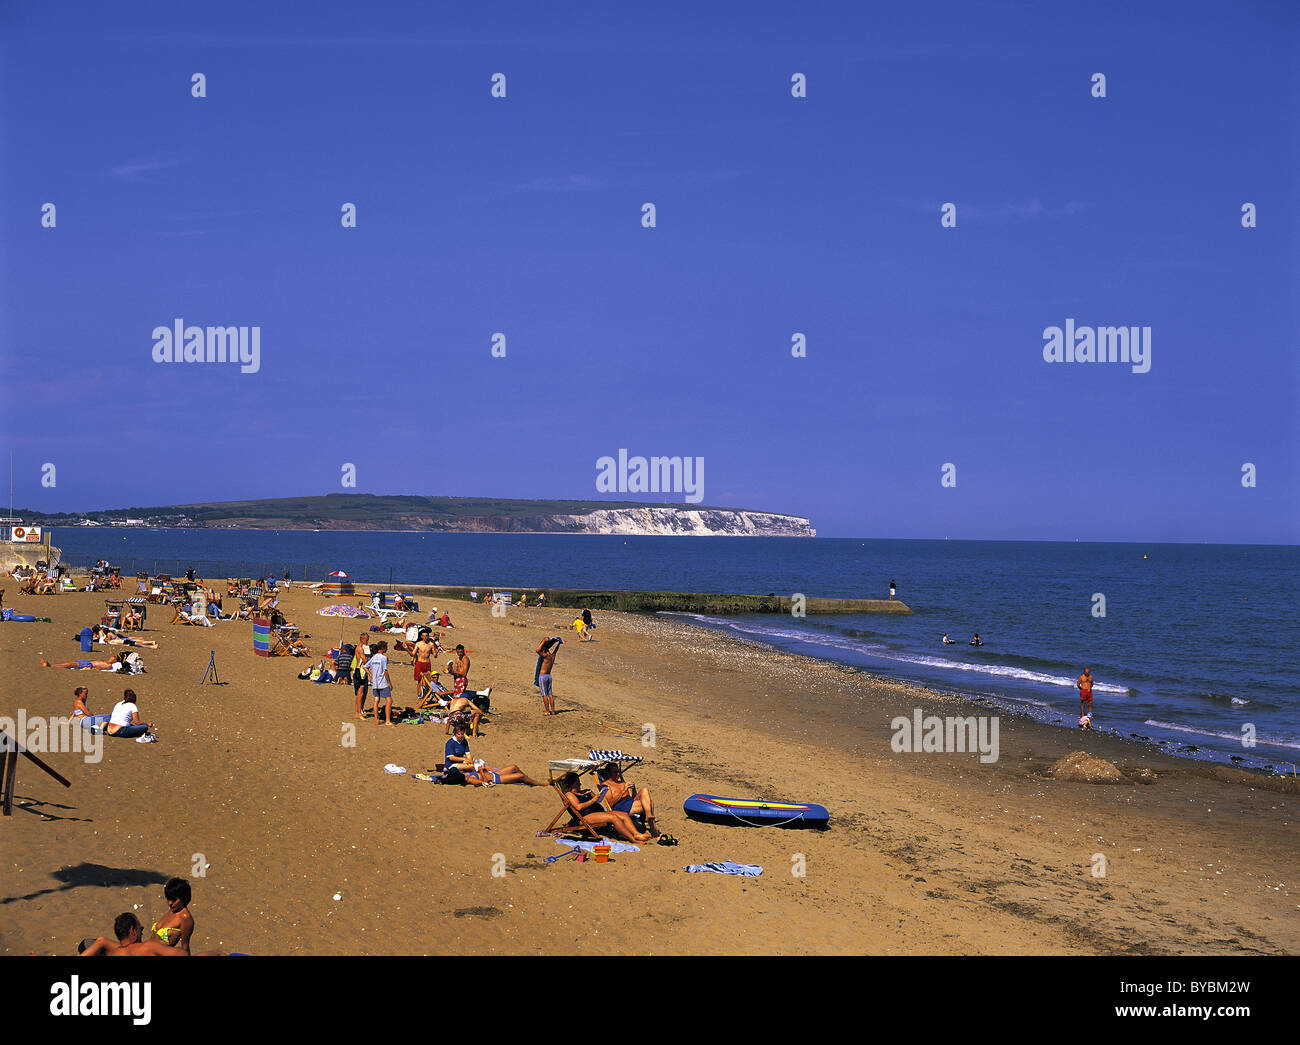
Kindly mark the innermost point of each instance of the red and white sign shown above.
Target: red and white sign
(25, 535)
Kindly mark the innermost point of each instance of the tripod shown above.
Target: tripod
(211, 670)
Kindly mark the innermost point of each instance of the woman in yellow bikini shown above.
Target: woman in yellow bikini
(177, 926)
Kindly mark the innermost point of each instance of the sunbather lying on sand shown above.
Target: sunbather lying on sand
(464, 768)
(87, 665)
(589, 806)
(115, 638)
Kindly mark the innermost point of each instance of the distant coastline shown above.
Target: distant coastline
(403, 514)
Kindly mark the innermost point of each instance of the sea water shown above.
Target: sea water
(1196, 647)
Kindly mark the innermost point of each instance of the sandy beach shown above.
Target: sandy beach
(256, 782)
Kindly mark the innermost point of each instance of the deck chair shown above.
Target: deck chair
(433, 695)
(131, 606)
(197, 619)
(283, 645)
(575, 825)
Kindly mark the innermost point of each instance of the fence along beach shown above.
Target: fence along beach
(257, 784)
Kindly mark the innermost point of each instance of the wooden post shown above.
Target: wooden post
(8, 774)
(10, 749)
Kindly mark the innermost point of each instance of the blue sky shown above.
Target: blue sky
(775, 215)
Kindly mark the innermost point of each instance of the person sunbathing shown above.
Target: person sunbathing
(177, 926)
(87, 665)
(131, 943)
(81, 712)
(463, 768)
(583, 803)
(622, 796)
(113, 638)
(186, 614)
(286, 647)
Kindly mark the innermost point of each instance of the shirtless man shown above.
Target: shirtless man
(97, 665)
(460, 672)
(547, 651)
(622, 796)
(423, 654)
(131, 942)
(1084, 684)
(462, 712)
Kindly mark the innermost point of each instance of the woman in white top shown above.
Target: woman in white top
(125, 720)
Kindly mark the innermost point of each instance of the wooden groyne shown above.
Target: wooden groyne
(652, 601)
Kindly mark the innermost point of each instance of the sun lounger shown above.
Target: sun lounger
(381, 603)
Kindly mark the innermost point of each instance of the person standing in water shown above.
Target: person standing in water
(1084, 684)
(893, 590)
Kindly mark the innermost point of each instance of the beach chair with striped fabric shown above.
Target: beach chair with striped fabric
(136, 612)
(567, 823)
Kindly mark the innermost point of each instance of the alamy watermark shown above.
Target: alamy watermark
(39, 734)
(181, 344)
(930, 733)
(684, 475)
(1098, 345)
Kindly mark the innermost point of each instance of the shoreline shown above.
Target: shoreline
(1009, 709)
(925, 853)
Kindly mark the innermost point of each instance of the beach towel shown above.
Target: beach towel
(726, 867)
(394, 769)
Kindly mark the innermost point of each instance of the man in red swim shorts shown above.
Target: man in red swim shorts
(1084, 683)
(460, 671)
(423, 654)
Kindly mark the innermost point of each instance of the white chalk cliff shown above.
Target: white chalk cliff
(686, 522)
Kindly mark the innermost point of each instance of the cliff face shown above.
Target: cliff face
(649, 522)
(687, 522)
